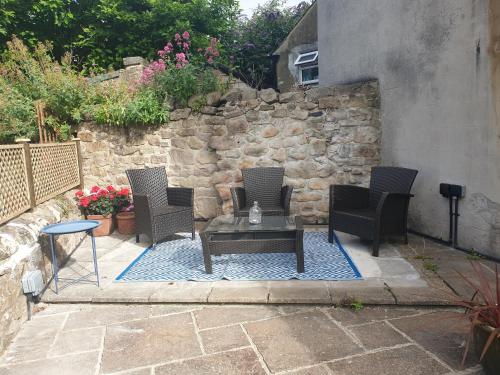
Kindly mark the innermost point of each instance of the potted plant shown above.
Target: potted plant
(125, 217)
(98, 204)
(483, 313)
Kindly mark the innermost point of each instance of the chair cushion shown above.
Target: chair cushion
(263, 185)
(167, 210)
(267, 211)
(360, 222)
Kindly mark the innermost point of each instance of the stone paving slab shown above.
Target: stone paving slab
(73, 342)
(73, 364)
(242, 362)
(300, 340)
(222, 339)
(313, 292)
(239, 292)
(443, 333)
(149, 341)
(378, 335)
(409, 360)
(220, 316)
(236, 339)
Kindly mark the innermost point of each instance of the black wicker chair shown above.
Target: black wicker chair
(263, 185)
(375, 212)
(160, 211)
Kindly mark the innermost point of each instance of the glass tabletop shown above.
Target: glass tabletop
(230, 224)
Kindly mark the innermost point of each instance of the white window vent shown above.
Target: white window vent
(307, 58)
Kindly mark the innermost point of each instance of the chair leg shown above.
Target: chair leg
(193, 234)
(376, 245)
(137, 238)
(330, 230)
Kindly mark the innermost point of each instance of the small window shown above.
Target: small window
(305, 58)
(309, 75)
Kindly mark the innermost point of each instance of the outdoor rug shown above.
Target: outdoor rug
(182, 259)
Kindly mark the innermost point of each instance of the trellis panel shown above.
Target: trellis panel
(14, 190)
(55, 169)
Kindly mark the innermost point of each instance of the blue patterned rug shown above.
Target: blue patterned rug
(183, 260)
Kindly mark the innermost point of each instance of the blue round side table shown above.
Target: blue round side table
(69, 227)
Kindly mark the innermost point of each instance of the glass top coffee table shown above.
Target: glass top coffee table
(235, 235)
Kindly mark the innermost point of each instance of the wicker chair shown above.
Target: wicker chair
(375, 212)
(263, 185)
(160, 211)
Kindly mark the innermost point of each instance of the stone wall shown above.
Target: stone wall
(320, 136)
(22, 249)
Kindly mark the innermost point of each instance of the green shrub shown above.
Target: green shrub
(17, 114)
(180, 74)
(34, 75)
(117, 105)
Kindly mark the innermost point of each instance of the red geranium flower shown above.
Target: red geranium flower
(84, 202)
(79, 194)
(123, 191)
(110, 188)
(94, 197)
(95, 189)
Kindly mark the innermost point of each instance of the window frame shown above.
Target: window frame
(301, 81)
(312, 60)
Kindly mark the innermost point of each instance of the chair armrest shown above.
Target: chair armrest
(393, 207)
(286, 196)
(178, 196)
(239, 199)
(143, 210)
(348, 196)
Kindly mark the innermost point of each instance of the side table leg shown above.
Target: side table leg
(94, 255)
(55, 270)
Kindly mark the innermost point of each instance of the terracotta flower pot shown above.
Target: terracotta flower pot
(126, 222)
(106, 227)
(491, 360)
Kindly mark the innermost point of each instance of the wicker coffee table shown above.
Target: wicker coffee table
(235, 235)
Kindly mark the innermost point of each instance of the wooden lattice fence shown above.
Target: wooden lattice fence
(33, 173)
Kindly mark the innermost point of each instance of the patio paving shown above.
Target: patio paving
(145, 339)
(420, 273)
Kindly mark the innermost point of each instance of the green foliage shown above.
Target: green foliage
(181, 84)
(101, 32)
(473, 255)
(117, 105)
(357, 305)
(17, 115)
(429, 266)
(31, 75)
(254, 39)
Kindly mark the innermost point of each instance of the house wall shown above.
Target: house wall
(303, 38)
(320, 137)
(435, 60)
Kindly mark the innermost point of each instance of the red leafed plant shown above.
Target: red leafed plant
(483, 309)
(103, 201)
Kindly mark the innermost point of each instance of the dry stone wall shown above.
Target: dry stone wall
(321, 136)
(23, 249)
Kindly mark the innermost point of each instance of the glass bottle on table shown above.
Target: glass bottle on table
(255, 214)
